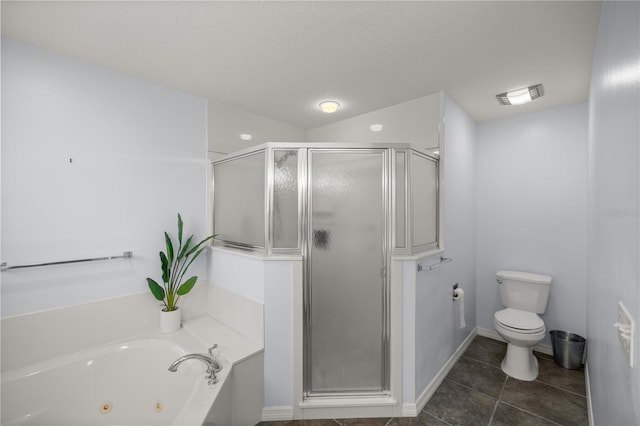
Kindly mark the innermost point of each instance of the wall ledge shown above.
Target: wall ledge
(258, 254)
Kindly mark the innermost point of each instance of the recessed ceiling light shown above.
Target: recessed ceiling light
(329, 107)
(520, 96)
(246, 137)
(376, 127)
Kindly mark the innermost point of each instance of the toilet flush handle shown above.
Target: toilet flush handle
(499, 280)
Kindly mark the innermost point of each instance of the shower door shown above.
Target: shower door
(346, 314)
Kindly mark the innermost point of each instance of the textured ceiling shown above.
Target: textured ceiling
(279, 59)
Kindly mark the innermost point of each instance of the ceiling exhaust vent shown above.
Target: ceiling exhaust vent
(520, 96)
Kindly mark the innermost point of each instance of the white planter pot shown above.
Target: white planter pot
(170, 321)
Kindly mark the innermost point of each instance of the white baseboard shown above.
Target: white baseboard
(589, 406)
(492, 334)
(411, 409)
(284, 412)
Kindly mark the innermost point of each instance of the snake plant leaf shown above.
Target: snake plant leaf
(169, 248)
(180, 224)
(185, 248)
(165, 267)
(187, 286)
(192, 259)
(197, 246)
(156, 289)
(175, 262)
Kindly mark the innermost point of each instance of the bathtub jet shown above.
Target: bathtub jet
(213, 366)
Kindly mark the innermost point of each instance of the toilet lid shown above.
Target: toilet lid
(519, 320)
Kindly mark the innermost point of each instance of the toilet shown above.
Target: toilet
(524, 296)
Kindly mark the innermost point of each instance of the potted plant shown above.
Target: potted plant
(174, 266)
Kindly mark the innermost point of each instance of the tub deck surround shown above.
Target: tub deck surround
(232, 346)
(241, 400)
(119, 383)
(239, 313)
(62, 331)
(94, 392)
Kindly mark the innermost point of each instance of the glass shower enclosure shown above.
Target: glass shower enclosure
(346, 209)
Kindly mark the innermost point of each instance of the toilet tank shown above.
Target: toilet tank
(523, 290)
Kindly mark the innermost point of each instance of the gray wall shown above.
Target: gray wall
(531, 209)
(138, 157)
(613, 266)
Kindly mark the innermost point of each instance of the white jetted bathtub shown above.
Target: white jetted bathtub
(126, 383)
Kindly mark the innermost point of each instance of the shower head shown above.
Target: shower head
(284, 158)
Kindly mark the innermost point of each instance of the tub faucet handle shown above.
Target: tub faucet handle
(215, 363)
(215, 345)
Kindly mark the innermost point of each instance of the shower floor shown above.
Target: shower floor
(477, 392)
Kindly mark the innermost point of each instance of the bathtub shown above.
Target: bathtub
(125, 383)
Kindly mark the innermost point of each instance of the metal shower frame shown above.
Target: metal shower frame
(392, 155)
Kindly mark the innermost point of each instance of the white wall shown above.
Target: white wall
(226, 123)
(531, 209)
(614, 185)
(280, 278)
(237, 271)
(94, 163)
(437, 329)
(415, 122)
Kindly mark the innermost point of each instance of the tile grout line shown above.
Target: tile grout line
(559, 388)
(481, 362)
(436, 417)
(475, 390)
(533, 414)
(478, 390)
(470, 388)
(433, 415)
(495, 407)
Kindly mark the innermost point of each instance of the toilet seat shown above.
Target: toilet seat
(519, 321)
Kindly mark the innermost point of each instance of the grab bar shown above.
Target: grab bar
(125, 255)
(443, 260)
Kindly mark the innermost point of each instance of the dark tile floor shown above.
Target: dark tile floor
(477, 392)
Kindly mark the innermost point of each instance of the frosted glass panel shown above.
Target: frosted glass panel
(239, 207)
(285, 199)
(346, 285)
(424, 181)
(400, 199)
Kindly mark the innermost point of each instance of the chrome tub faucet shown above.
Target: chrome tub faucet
(213, 366)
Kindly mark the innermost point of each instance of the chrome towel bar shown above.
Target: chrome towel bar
(125, 255)
(443, 260)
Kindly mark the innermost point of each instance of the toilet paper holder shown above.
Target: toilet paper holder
(458, 296)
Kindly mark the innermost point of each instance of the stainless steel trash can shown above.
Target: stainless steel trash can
(568, 349)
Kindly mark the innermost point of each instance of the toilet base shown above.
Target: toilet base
(520, 363)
